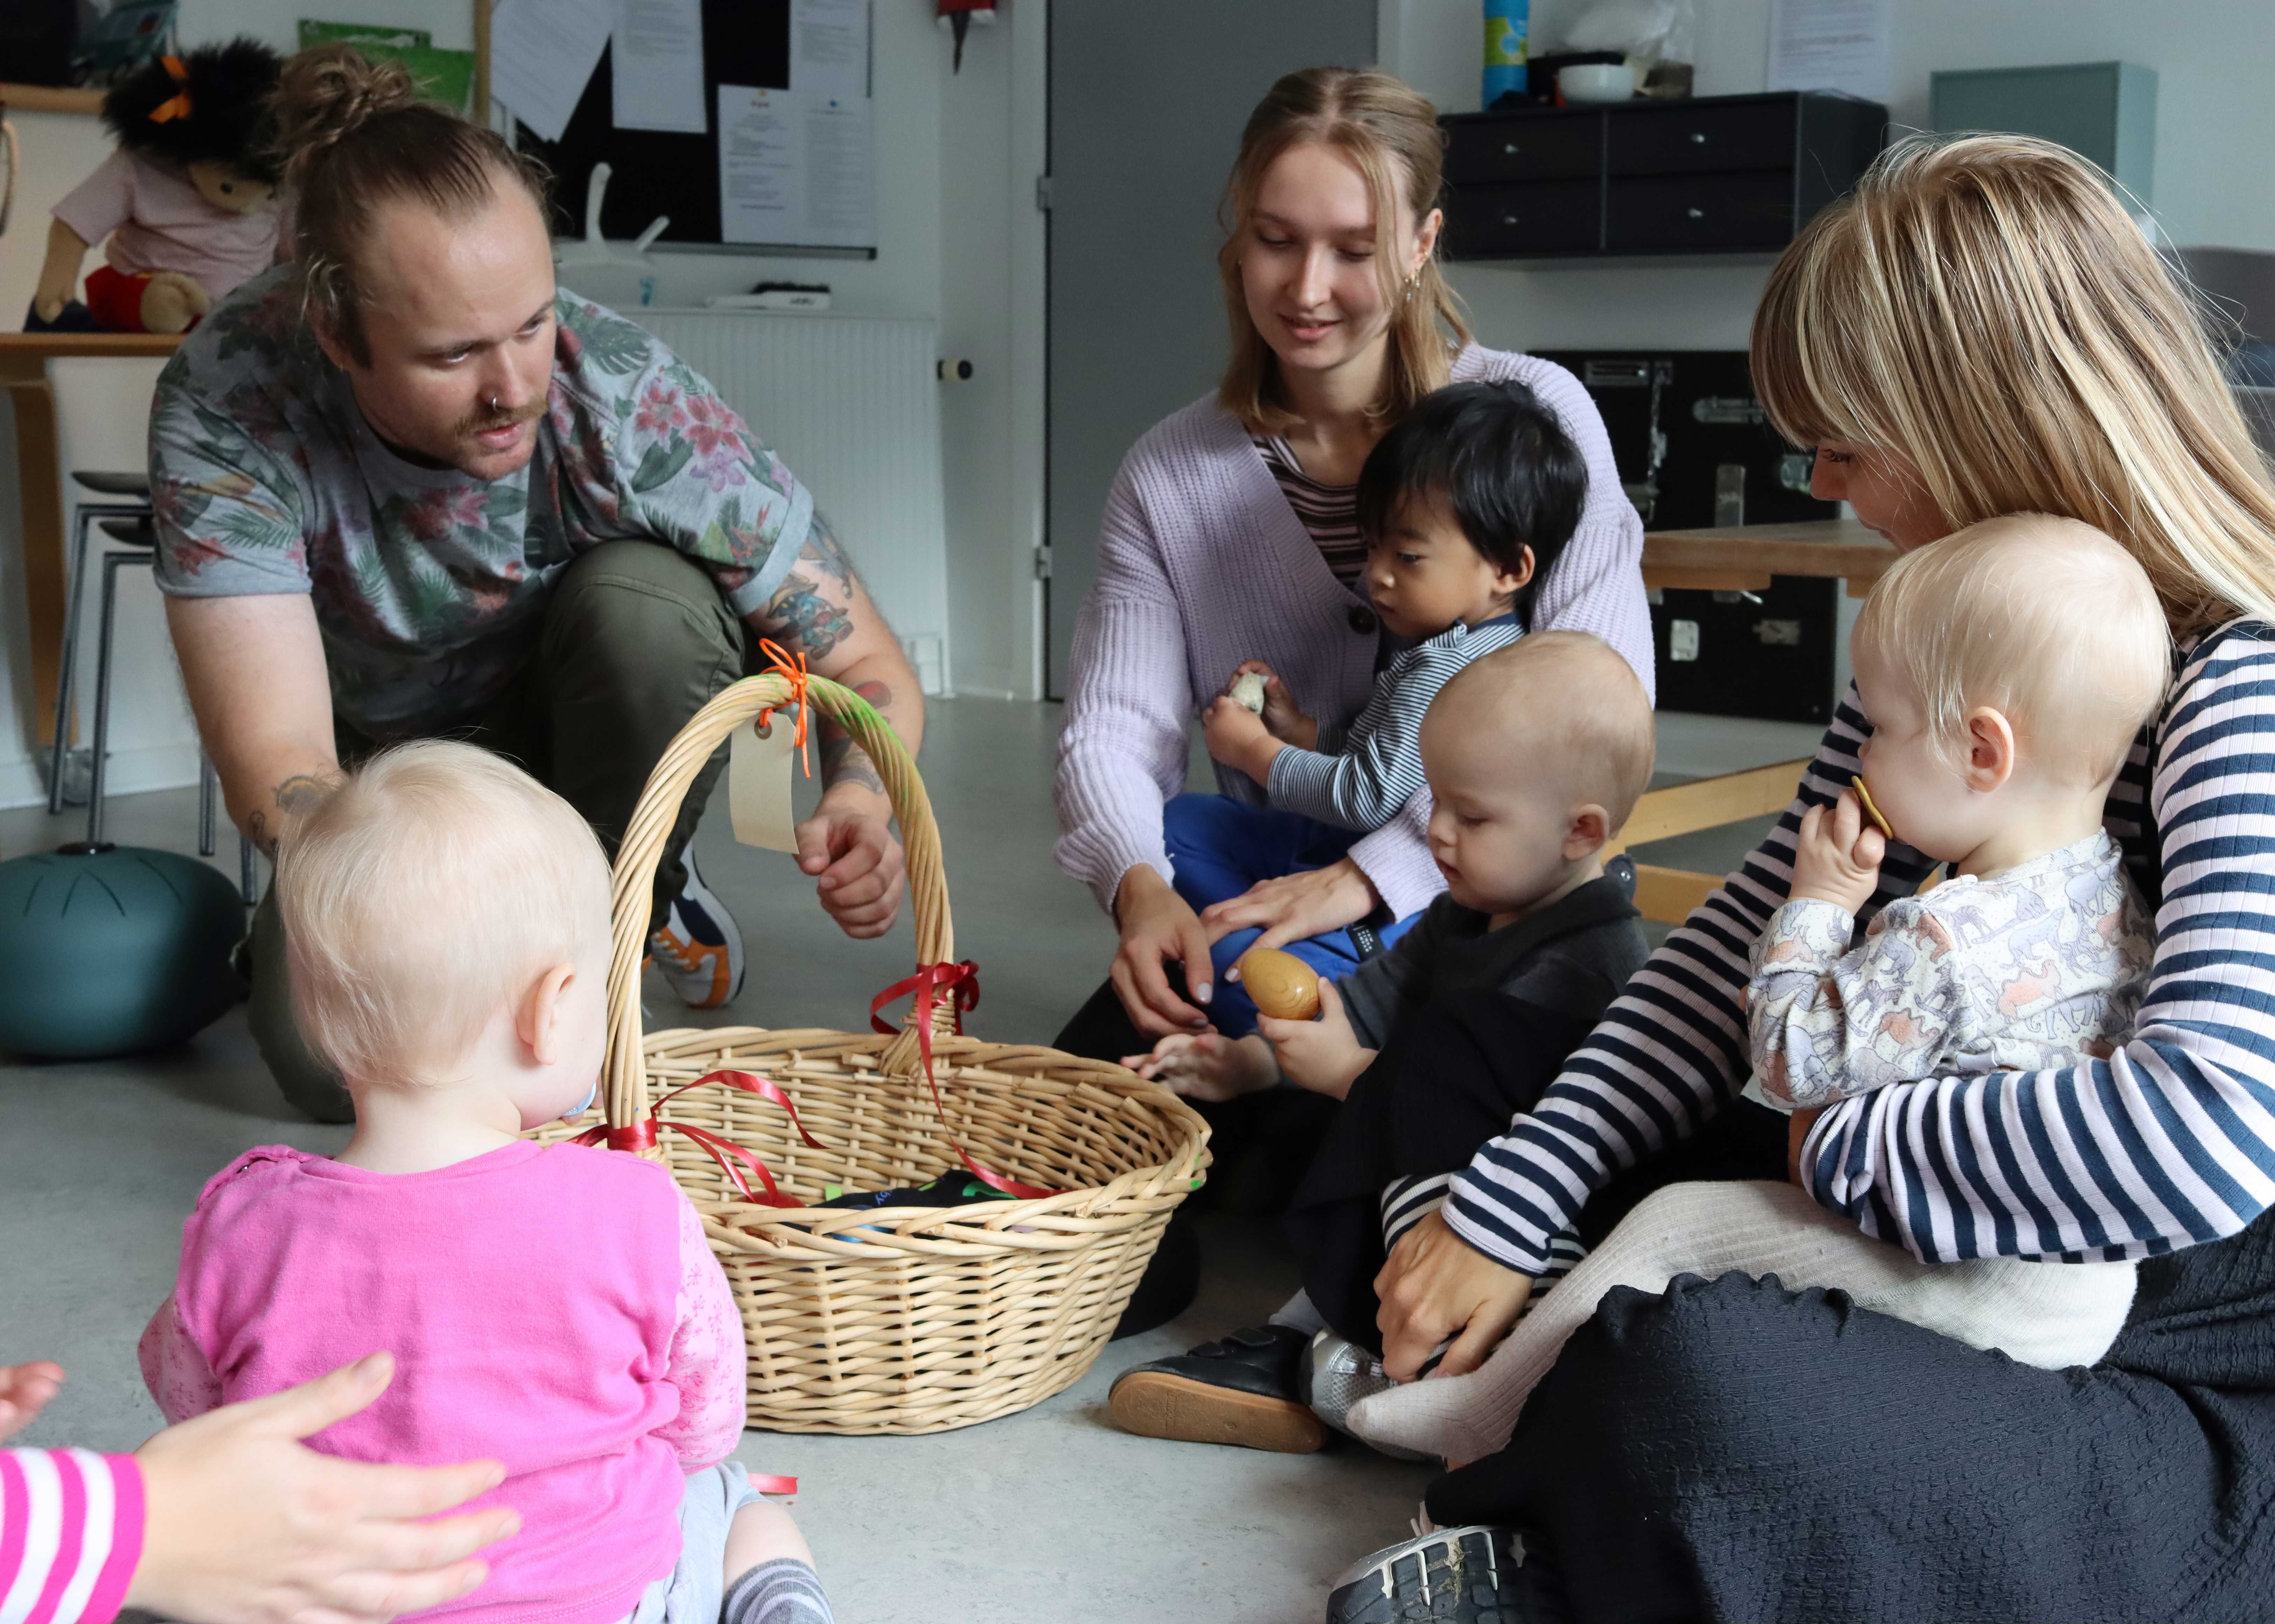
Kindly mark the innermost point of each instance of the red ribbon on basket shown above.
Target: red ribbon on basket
(961, 982)
(779, 661)
(644, 1135)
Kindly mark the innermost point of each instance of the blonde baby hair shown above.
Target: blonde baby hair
(425, 894)
(1571, 703)
(1983, 307)
(2046, 620)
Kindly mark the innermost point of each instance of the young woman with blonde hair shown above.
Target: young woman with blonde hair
(1230, 535)
(1980, 330)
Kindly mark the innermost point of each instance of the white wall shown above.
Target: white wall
(2215, 127)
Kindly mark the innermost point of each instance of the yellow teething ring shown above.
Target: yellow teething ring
(1864, 799)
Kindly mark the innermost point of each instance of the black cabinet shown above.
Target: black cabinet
(1715, 175)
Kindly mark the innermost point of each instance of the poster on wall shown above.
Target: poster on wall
(799, 164)
(1840, 45)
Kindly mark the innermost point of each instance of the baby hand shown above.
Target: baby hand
(1237, 737)
(1208, 1065)
(1283, 718)
(24, 1390)
(1322, 1054)
(1838, 857)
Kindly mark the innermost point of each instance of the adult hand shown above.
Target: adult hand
(1435, 1285)
(245, 1524)
(1837, 858)
(24, 1390)
(1796, 1130)
(850, 847)
(1295, 906)
(1158, 925)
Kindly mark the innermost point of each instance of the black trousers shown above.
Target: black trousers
(1445, 1084)
(1732, 1450)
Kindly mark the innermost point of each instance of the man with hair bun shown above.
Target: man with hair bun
(406, 486)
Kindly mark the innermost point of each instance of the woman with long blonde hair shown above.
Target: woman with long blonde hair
(1981, 330)
(1231, 536)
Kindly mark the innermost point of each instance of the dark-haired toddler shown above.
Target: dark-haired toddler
(1465, 506)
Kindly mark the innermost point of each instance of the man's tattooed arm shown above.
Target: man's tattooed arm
(291, 797)
(812, 611)
(843, 762)
(822, 611)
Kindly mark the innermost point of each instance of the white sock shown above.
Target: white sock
(2052, 1315)
(1297, 1314)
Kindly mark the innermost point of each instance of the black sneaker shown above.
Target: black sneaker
(1451, 1576)
(1241, 1390)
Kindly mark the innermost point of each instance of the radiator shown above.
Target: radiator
(852, 405)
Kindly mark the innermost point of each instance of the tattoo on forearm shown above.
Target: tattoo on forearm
(843, 762)
(294, 795)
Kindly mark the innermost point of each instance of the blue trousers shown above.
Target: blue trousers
(1221, 848)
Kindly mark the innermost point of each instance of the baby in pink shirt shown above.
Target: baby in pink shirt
(553, 1307)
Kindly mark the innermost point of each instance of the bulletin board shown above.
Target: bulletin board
(747, 46)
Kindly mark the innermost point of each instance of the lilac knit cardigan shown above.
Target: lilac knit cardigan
(1202, 564)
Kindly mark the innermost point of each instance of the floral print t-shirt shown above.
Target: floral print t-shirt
(429, 585)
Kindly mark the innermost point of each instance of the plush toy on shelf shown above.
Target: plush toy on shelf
(187, 200)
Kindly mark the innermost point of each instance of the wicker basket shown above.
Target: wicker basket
(896, 1319)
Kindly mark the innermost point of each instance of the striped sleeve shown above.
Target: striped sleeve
(2172, 1140)
(1377, 764)
(1668, 1054)
(71, 1532)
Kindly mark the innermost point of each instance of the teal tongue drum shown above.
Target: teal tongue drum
(111, 950)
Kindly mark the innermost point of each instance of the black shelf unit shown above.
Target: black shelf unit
(1712, 175)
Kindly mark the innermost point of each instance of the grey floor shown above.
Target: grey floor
(1049, 1514)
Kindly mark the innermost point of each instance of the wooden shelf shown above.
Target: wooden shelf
(1743, 557)
(50, 99)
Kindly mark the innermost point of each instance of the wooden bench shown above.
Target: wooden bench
(1735, 558)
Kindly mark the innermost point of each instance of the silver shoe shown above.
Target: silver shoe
(1336, 1374)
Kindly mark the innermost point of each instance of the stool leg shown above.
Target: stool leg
(101, 743)
(205, 804)
(58, 759)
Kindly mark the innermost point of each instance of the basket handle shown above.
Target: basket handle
(624, 1077)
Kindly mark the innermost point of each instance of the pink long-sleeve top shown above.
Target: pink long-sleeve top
(551, 1307)
(71, 1532)
(1202, 564)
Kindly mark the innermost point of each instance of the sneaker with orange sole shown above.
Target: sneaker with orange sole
(697, 949)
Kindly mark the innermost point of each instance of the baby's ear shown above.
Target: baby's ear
(1589, 827)
(1990, 750)
(539, 1019)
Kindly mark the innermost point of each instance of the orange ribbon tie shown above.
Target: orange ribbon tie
(179, 105)
(779, 661)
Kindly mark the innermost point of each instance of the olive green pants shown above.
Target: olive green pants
(636, 640)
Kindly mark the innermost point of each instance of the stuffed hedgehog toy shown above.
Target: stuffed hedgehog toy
(187, 202)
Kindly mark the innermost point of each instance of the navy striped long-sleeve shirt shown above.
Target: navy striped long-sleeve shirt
(2168, 1143)
(1359, 777)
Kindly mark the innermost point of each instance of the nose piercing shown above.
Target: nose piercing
(493, 402)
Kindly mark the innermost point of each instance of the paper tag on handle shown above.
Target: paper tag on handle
(758, 784)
